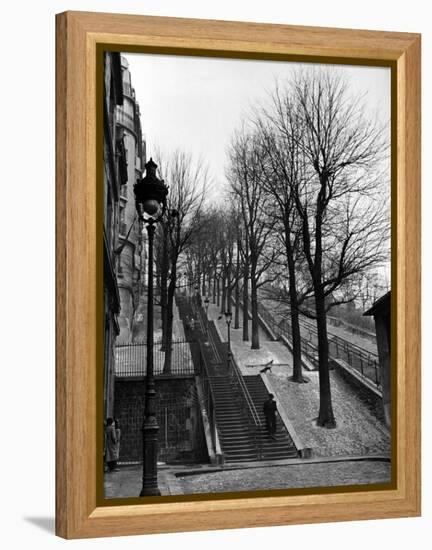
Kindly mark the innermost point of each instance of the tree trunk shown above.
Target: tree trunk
(169, 325)
(223, 301)
(218, 292)
(325, 417)
(209, 284)
(203, 288)
(164, 289)
(214, 289)
(297, 375)
(245, 305)
(254, 308)
(237, 290)
(237, 305)
(198, 281)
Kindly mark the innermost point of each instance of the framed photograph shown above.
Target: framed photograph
(238, 275)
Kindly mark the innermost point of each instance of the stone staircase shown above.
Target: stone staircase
(239, 439)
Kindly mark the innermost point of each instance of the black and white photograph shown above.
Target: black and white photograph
(246, 275)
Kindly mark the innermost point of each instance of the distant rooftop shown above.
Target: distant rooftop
(380, 304)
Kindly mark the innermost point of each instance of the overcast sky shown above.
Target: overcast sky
(195, 103)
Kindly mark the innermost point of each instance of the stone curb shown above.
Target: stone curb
(286, 462)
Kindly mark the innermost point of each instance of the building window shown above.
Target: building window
(122, 224)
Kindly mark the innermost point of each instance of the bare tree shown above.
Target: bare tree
(245, 175)
(187, 180)
(343, 215)
(284, 168)
(162, 269)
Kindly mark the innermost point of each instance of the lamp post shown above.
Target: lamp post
(150, 200)
(228, 319)
(207, 303)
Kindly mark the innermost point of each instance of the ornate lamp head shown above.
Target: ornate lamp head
(150, 194)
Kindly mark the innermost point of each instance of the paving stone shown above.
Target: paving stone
(288, 477)
(297, 474)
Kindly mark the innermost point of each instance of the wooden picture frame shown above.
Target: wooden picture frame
(80, 36)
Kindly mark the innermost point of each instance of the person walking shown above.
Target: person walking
(118, 436)
(111, 447)
(270, 409)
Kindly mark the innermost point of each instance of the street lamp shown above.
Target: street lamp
(150, 201)
(228, 319)
(207, 303)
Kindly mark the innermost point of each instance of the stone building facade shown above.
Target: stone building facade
(131, 246)
(115, 175)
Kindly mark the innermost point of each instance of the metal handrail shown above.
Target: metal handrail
(244, 392)
(341, 340)
(130, 358)
(368, 360)
(250, 407)
(211, 404)
(363, 361)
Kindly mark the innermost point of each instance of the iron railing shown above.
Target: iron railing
(209, 400)
(240, 388)
(131, 358)
(362, 360)
(248, 405)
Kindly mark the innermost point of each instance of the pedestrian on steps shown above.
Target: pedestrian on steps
(118, 436)
(270, 409)
(111, 447)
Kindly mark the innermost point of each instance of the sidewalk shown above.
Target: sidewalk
(127, 482)
(283, 474)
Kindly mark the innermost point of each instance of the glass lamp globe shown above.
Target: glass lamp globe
(151, 207)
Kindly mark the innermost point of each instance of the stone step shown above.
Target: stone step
(230, 418)
(236, 446)
(234, 440)
(233, 433)
(230, 427)
(248, 457)
(287, 446)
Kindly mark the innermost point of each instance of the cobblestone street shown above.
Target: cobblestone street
(250, 477)
(289, 476)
